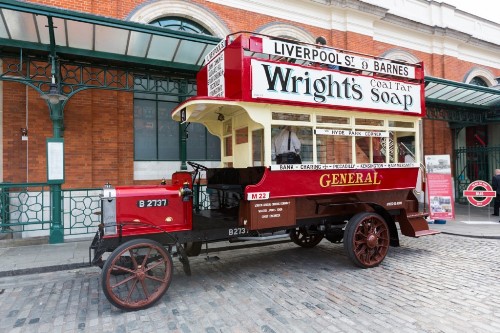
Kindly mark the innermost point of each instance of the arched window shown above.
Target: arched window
(156, 133)
(180, 24)
(477, 81)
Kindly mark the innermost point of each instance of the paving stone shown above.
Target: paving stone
(443, 284)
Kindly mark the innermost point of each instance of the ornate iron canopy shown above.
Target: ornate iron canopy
(441, 91)
(26, 26)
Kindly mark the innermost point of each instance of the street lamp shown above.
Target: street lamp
(54, 96)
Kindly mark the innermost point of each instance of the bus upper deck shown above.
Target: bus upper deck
(346, 109)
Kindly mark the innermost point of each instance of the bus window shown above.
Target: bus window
(296, 139)
(334, 149)
(370, 150)
(306, 139)
(228, 138)
(332, 120)
(406, 149)
(290, 116)
(258, 147)
(369, 122)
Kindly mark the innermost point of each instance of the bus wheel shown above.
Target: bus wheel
(304, 237)
(193, 249)
(141, 283)
(335, 236)
(366, 239)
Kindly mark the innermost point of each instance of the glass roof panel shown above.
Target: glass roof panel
(478, 98)
(60, 31)
(431, 88)
(472, 97)
(111, 40)
(189, 52)
(205, 52)
(489, 100)
(80, 35)
(21, 25)
(138, 44)
(3, 30)
(42, 23)
(452, 93)
(463, 94)
(443, 90)
(163, 48)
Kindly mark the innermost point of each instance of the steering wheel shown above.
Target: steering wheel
(197, 167)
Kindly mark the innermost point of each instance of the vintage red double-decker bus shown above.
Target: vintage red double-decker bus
(346, 167)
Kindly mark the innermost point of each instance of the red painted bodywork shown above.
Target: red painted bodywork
(176, 216)
(302, 183)
(237, 71)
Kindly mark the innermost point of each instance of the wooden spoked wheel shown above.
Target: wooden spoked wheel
(366, 239)
(306, 238)
(136, 274)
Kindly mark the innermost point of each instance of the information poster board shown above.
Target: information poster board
(439, 187)
(55, 160)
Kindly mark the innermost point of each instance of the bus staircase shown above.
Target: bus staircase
(413, 223)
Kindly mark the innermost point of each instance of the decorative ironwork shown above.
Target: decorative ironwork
(455, 114)
(76, 76)
(27, 208)
(80, 211)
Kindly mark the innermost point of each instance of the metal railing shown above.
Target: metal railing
(25, 209)
(474, 163)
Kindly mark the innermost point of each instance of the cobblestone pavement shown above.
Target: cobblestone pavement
(434, 284)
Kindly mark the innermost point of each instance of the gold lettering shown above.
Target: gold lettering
(351, 178)
(359, 178)
(324, 182)
(343, 178)
(368, 178)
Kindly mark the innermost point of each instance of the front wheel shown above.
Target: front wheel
(366, 239)
(136, 274)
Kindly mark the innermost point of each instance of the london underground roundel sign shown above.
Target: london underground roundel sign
(479, 193)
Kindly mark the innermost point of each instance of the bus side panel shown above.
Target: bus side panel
(300, 183)
(265, 214)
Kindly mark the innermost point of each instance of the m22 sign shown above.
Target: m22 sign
(300, 84)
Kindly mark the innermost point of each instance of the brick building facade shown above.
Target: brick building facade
(99, 124)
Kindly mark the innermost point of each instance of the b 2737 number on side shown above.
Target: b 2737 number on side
(152, 203)
(237, 231)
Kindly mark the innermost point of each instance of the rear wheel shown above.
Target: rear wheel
(305, 237)
(193, 249)
(335, 235)
(136, 274)
(366, 239)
